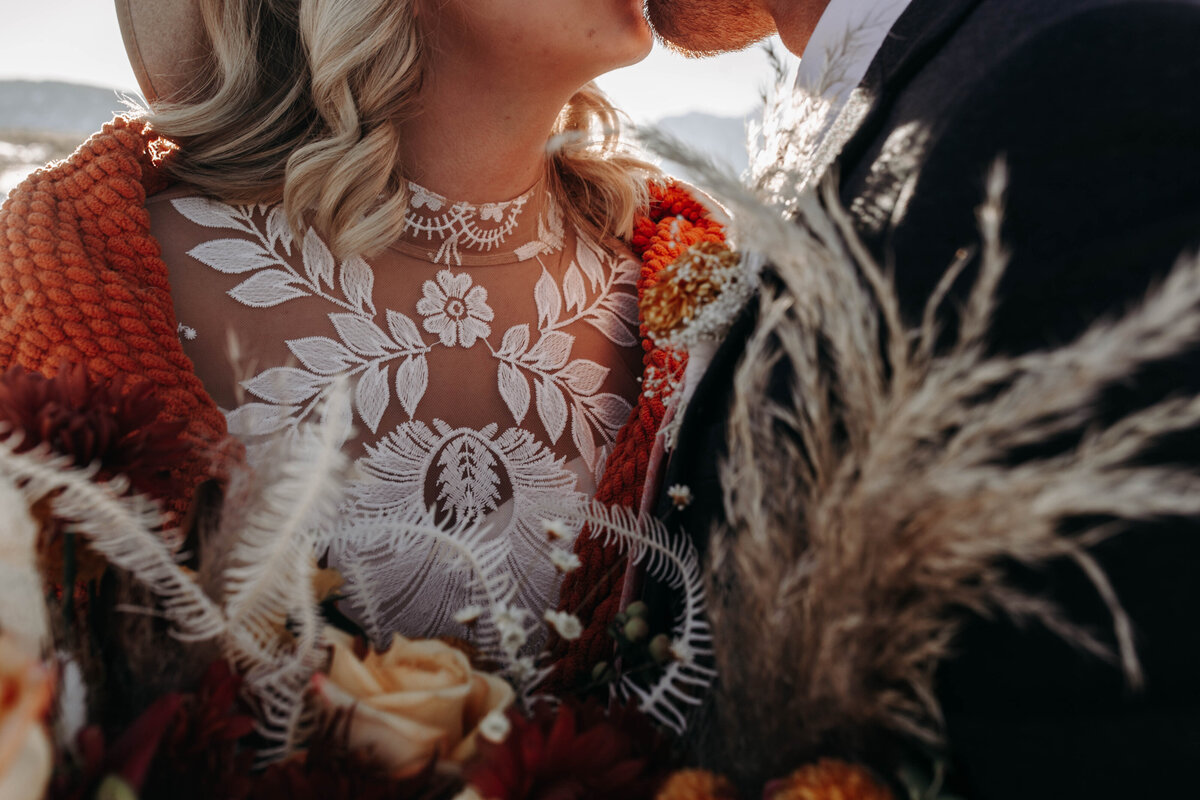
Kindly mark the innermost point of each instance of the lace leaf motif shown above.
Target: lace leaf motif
(291, 394)
(284, 385)
(404, 330)
(362, 335)
(412, 380)
(323, 355)
(549, 302)
(232, 256)
(573, 289)
(552, 408)
(371, 395)
(212, 213)
(514, 388)
(565, 389)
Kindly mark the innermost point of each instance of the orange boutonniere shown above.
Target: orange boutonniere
(698, 296)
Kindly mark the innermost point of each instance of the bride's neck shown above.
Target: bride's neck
(478, 141)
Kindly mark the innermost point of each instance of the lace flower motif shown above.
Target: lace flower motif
(454, 310)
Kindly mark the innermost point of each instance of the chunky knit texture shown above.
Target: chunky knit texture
(675, 222)
(82, 281)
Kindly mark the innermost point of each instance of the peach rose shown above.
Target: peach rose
(417, 699)
(25, 754)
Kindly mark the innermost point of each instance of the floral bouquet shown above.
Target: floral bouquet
(146, 656)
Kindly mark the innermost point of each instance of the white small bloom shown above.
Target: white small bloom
(567, 625)
(522, 669)
(469, 615)
(680, 495)
(681, 652)
(557, 529)
(510, 622)
(495, 726)
(564, 561)
(510, 617)
(512, 640)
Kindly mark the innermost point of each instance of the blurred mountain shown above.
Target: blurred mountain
(45, 120)
(721, 138)
(57, 107)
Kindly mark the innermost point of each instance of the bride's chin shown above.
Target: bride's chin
(640, 44)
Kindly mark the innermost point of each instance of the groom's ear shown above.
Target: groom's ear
(707, 27)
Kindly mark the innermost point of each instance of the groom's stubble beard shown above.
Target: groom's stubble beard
(706, 27)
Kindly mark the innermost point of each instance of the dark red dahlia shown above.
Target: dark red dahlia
(193, 746)
(574, 751)
(330, 769)
(205, 753)
(105, 421)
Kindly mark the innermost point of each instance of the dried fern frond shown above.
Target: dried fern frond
(126, 529)
(882, 493)
(673, 561)
(271, 528)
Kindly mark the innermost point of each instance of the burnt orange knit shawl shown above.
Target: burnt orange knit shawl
(83, 282)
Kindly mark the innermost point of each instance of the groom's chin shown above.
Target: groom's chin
(700, 28)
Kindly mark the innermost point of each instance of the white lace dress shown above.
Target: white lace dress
(491, 353)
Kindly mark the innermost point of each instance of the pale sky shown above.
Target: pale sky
(79, 41)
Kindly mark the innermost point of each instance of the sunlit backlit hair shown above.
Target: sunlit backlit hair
(301, 103)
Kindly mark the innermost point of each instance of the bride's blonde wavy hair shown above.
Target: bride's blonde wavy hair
(300, 104)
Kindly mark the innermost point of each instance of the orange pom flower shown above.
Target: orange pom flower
(828, 780)
(696, 784)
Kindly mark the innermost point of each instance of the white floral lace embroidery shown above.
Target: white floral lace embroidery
(461, 225)
(455, 310)
(503, 471)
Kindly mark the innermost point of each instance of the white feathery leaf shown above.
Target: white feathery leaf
(126, 530)
(672, 560)
(274, 625)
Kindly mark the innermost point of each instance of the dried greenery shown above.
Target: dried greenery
(880, 493)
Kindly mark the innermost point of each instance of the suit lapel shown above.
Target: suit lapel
(917, 36)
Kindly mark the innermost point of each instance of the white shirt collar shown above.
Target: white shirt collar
(797, 123)
(845, 41)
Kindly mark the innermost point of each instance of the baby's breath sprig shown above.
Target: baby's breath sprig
(698, 296)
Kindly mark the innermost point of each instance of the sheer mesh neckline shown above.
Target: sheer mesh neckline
(458, 233)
